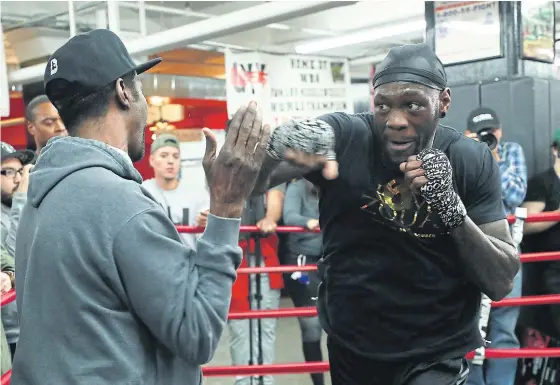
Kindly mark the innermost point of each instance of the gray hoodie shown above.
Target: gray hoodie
(107, 292)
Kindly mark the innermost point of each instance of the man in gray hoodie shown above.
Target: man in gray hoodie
(107, 292)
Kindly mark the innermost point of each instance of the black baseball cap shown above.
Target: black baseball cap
(482, 118)
(9, 152)
(411, 63)
(90, 61)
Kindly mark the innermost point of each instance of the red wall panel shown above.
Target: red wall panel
(199, 113)
(15, 135)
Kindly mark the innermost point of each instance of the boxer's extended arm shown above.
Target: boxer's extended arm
(274, 173)
(295, 149)
(488, 255)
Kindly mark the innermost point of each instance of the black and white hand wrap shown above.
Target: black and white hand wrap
(439, 192)
(310, 136)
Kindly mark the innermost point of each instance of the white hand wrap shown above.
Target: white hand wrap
(439, 192)
(310, 136)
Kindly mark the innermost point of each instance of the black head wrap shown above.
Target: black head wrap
(413, 63)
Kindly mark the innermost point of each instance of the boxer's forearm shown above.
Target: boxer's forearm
(277, 173)
(306, 136)
(263, 180)
(488, 256)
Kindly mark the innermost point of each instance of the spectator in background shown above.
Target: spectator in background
(43, 121)
(543, 195)
(179, 200)
(15, 180)
(265, 212)
(7, 283)
(503, 320)
(301, 208)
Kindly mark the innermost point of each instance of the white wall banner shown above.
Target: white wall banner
(288, 86)
(4, 87)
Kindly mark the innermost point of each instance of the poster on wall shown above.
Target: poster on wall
(288, 86)
(467, 31)
(537, 20)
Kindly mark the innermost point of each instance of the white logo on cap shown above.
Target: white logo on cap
(481, 117)
(54, 66)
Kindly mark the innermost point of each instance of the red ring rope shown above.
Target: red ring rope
(5, 380)
(8, 297)
(316, 367)
(540, 217)
(311, 311)
(525, 258)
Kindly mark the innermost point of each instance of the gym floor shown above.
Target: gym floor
(287, 350)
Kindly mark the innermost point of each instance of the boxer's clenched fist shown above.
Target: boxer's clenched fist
(308, 143)
(430, 174)
(233, 173)
(414, 174)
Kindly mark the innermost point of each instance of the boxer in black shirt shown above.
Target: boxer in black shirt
(413, 228)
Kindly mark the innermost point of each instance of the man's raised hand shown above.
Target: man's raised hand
(232, 174)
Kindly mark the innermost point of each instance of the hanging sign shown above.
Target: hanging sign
(288, 86)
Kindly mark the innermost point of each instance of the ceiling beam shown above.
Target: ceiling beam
(234, 22)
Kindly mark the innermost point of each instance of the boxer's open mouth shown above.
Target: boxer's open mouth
(400, 145)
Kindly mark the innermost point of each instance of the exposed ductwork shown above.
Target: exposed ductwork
(234, 22)
(38, 20)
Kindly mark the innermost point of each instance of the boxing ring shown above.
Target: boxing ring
(315, 367)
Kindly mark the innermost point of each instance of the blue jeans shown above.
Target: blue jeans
(502, 336)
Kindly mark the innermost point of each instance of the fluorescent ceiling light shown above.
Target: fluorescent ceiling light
(225, 45)
(278, 26)
(320, 32)
(363, 36)
(368, 59)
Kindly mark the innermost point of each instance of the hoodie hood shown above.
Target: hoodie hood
(65, 155)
